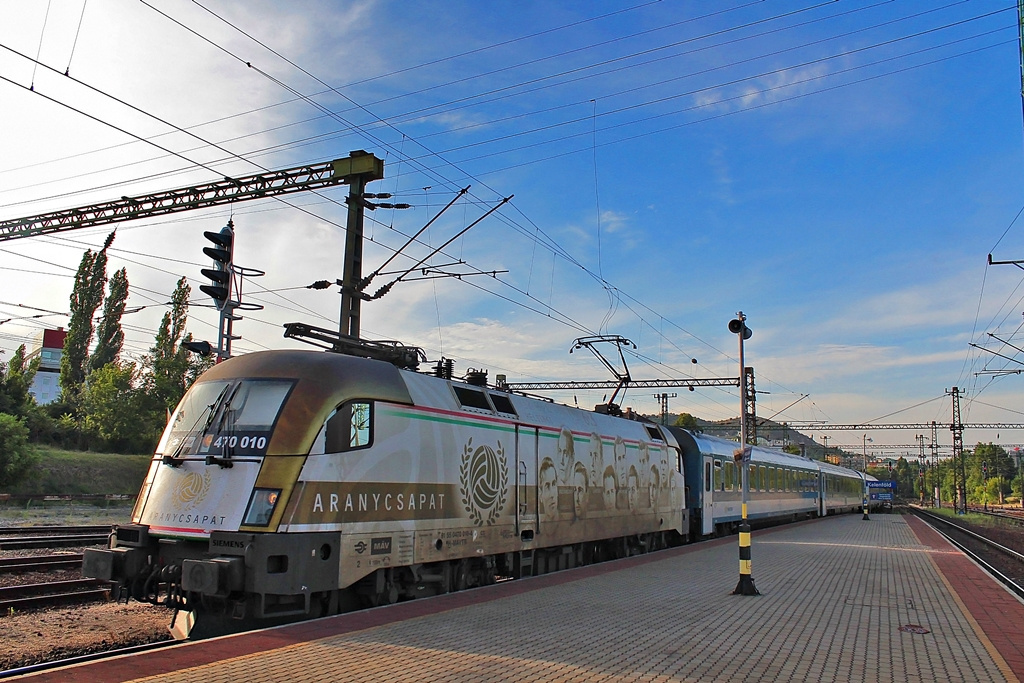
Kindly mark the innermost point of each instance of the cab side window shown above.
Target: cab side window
(349, 427)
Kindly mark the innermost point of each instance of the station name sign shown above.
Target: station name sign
(881, 490)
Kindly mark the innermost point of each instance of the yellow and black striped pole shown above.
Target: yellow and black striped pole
(746, 584)
(742, 456)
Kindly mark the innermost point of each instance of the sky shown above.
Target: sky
(838, 171)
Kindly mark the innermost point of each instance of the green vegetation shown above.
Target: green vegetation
(17, 457)
(977, 519)
(63, 472)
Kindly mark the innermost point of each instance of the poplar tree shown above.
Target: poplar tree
(109, 335)
(169, 361)
(86, 297)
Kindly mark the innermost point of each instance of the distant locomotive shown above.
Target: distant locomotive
(297, 483)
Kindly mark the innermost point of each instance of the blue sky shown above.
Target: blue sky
(838, 171)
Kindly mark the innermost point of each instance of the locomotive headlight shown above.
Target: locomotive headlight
(261, 507)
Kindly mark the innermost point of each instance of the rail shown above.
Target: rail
(33, 595)
(40, 563)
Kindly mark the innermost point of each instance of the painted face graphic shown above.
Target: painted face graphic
(547, 482)
(620, 460)
(566, 453)
(632, 489)
(609, 488)
(596, 457)
(579, 491)
(653, 486)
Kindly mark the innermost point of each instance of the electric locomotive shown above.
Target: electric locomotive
(290, 484)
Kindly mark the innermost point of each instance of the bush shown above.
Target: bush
(17, 457)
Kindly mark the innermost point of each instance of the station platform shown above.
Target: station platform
(842, 599)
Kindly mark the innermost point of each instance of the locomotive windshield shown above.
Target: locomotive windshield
(225, 417)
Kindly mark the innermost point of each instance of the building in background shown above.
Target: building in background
(46, 384)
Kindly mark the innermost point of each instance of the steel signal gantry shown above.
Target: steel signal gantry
(226, 191)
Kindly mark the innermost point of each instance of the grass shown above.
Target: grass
(64, 472)
(975, 518)
(61, 472)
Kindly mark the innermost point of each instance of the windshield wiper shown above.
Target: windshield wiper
(225, 409)
(174, 459)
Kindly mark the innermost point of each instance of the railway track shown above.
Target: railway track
(1015, 515)
(40, 563)
(31, 596)
(31, 538)
(81, 659)
(1004, 564)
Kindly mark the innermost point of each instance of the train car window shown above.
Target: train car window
(502, 404)
(730, 476)
(472, 398)
(763, 476)
(707, 476)
(719, 484)
(349, 427)
(653, 432)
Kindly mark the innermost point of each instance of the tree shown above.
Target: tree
(16, 455)
(86, 296)
(115, 412)
(169, 362)
(687, 421)
(109, 335)
(15, 380)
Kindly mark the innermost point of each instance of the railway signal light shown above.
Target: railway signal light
(222, 253)
(202, 348)
(984, 467)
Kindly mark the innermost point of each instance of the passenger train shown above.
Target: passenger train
(290, 484)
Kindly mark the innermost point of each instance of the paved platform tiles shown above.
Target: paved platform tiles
(835, 593)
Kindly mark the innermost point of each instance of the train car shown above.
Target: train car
(842, 490)
(781, 486)
(300, 483)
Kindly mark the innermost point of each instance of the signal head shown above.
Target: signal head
(203, 348)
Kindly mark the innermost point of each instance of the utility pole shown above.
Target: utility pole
(663, 398)
(1020, 45)
(362, 167)
(959, 469)
(738, 326)
(936, 489)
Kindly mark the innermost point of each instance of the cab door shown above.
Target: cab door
(707, 514)
(526, 480)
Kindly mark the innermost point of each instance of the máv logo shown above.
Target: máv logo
(483, 482)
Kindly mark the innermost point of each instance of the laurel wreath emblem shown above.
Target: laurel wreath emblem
(192, 489)
(483, 482)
